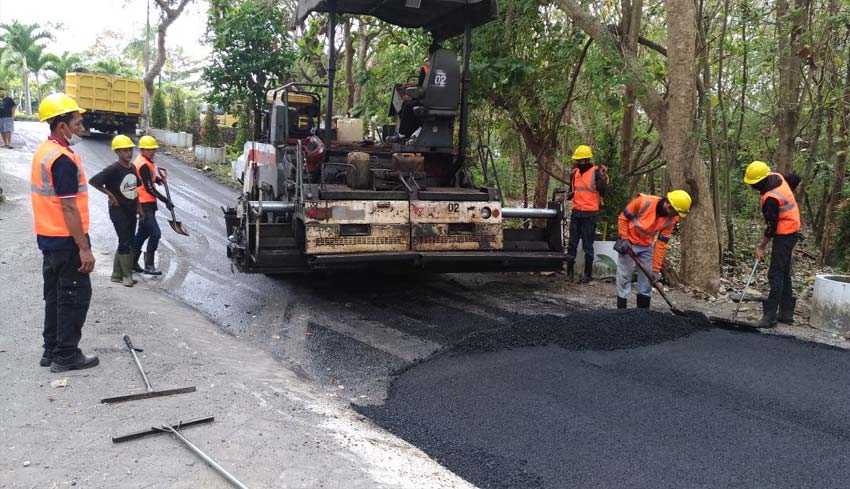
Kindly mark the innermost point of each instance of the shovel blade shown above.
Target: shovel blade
(178, 228)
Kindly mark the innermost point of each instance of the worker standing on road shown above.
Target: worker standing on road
(646, 217)
(60, 206)
(7, 118)
(148, 194)
(119, 182)
(782, 215)
(588, 186)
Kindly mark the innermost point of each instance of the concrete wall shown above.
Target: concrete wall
(210, 155)
(178, 139)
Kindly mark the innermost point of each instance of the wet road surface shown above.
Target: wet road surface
(710, 409)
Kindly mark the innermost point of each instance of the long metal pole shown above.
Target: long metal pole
(464, 96)
(138, 363)
(212, 463)
(147, 63)
(329, 105)
(747, 286)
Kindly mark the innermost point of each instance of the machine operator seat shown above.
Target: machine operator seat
(439, 100)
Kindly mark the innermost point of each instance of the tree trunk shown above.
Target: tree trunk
(362, 52)
(790, 26)
(681, 131)
(630, 31)
(349, 66)
(169, 15)
(28, 108)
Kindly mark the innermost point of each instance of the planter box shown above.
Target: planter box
(178, 139)
(210, 155)
(831, 304)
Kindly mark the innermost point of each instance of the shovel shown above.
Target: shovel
(176, 225)
(675, 310)
(734, 321)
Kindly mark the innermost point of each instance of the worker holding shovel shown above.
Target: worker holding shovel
(782, 215)
(646, 217)
(148, 195)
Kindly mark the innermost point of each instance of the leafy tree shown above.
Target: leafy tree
(178, 111)
(20, 38)
(210, 133)
(193, 114)
(37, 60)
(115, 67)
(169, 10)
(251, 53)
(159, 115)
(62, 64)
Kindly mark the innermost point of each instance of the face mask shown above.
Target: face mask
(73, 139)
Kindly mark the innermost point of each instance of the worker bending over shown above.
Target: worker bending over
(588, 186)
(782, 215)
(646, 217)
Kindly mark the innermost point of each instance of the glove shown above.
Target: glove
(622, 246)
(169, 205)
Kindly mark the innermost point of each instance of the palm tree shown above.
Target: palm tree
(62, 64)
(113, 67)
(19, 38)
(37, 60)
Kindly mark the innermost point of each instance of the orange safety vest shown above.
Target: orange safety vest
(644, 225)
(145, 197)
(789, 213)
(46, 205)
(585, 195)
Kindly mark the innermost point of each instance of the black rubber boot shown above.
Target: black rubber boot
(622, 303)
(571, 270)
(643, 301)
(46, 358)
(136, 255)
(786, 311)
(768, 319)
(149, 268)
(588, 270)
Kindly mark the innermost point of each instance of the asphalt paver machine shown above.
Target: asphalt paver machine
(314, 197)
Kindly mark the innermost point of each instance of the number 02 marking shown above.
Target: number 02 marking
(454, 207)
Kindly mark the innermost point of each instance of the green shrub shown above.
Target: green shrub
(210, 133)
(177, 119)
(159, 116)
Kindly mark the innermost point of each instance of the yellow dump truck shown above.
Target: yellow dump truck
(112, 103)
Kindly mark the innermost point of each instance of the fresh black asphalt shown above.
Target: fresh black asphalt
(628, 399)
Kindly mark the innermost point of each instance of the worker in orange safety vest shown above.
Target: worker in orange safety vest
(588, 186)
(60, 208)
(645, 218)
(782, 215)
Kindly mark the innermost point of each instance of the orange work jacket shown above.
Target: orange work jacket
(789, 212)
(145, 197)
(639, 223)
(46, 205)
(585, 195)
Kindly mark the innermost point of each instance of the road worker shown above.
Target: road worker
(588, 186)
(646, 217)
(61, 213)
(782, 215)
(148, 195)
(119, 182)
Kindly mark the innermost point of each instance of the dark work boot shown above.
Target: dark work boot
(46, 358)
(117, 271)
(643, 301)
(126, 262)
(136, 255)
(622, 303)
(768, 319)
(78, 362)
(588, 270)
(149, 268)
(571, 270)
(786, 311)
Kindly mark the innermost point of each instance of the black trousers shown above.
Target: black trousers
(779, 273)
(67, 294)
(583, 228)
(124, 220)
(148, 229)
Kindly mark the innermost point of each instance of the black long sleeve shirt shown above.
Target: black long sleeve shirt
(148, 182)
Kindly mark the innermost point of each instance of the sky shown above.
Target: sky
(83, 20)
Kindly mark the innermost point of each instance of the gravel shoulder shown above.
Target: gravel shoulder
(272, 428)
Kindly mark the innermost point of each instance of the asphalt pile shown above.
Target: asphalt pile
(625, 399)
(605, 330)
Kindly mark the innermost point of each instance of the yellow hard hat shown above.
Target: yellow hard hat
(756, 172)
(582, 153)
(681, 201)
(147, 142)
(122, 142)
(57, 104)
